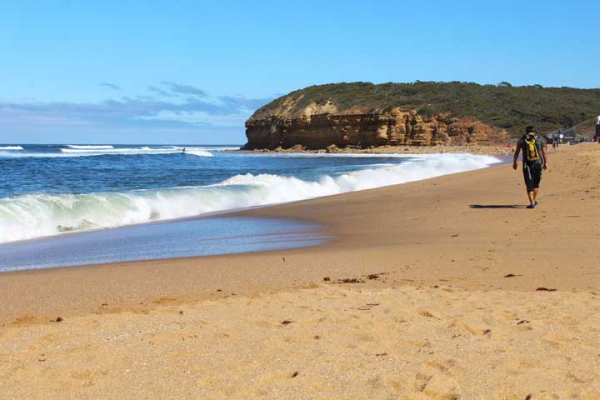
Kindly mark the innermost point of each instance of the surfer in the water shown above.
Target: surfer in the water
(183, 151)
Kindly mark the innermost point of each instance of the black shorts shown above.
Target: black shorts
(533, 175)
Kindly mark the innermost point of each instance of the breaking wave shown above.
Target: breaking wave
(32, 216)
(75, 146)
(122, 151)
(11, 148)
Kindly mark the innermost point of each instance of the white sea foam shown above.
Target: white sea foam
(11, 148)
(121, 150)
(12, 154)
(76, 146)
(31, 216)
(135, 151)
(91, 152)
(218, 148)
(207, 148)
(199, 153)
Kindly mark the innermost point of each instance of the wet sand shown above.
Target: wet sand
(190, 237)
(428, 292)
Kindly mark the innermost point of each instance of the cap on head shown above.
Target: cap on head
(529, 129)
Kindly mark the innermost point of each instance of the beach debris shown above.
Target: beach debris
(219, 290)
(286, 322)
(512, 275)
(375, 276)
(485, 332)
(317, 337)
(350, 280)
(327, 279)
(283, 258)
(58, 319)
(528, 397)
(523, 321)
(545, 289)
(425, 313)
(295, 374)
(380, 354)
(371, 277)
(105, 304)
(457, 235)
(368, 306)
(180, 312)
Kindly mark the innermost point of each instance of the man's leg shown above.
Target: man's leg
(531, 196)
(537, 178)
(529, 184)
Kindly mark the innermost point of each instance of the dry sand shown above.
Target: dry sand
(432, 314)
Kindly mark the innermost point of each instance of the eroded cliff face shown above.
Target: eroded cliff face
(320, 126)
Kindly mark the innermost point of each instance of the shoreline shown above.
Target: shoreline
(483, 150)
(428, 285)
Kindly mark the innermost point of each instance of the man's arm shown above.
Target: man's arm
(516, 156)
(545, 155)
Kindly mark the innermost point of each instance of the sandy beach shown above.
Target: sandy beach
(446, 288)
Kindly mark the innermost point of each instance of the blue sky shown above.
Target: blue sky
(193, 71)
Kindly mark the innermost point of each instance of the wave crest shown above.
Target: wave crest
(133, 151)
(98, 147)
(31, 216)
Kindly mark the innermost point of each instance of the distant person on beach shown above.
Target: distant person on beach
(534, 161)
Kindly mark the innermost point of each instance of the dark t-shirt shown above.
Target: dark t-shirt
(539, 142)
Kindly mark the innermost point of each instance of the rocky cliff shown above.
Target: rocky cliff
(420, 113)
(320, 126)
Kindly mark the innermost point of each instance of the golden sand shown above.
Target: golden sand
(445, 305)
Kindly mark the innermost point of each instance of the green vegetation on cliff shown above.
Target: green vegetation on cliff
(503, 106)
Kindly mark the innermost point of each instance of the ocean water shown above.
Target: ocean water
(51, 190)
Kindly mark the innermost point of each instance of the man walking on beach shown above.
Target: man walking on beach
(534, 161)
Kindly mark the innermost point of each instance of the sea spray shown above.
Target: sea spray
(37, 215)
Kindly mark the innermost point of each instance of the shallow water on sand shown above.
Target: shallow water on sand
(183, 238)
